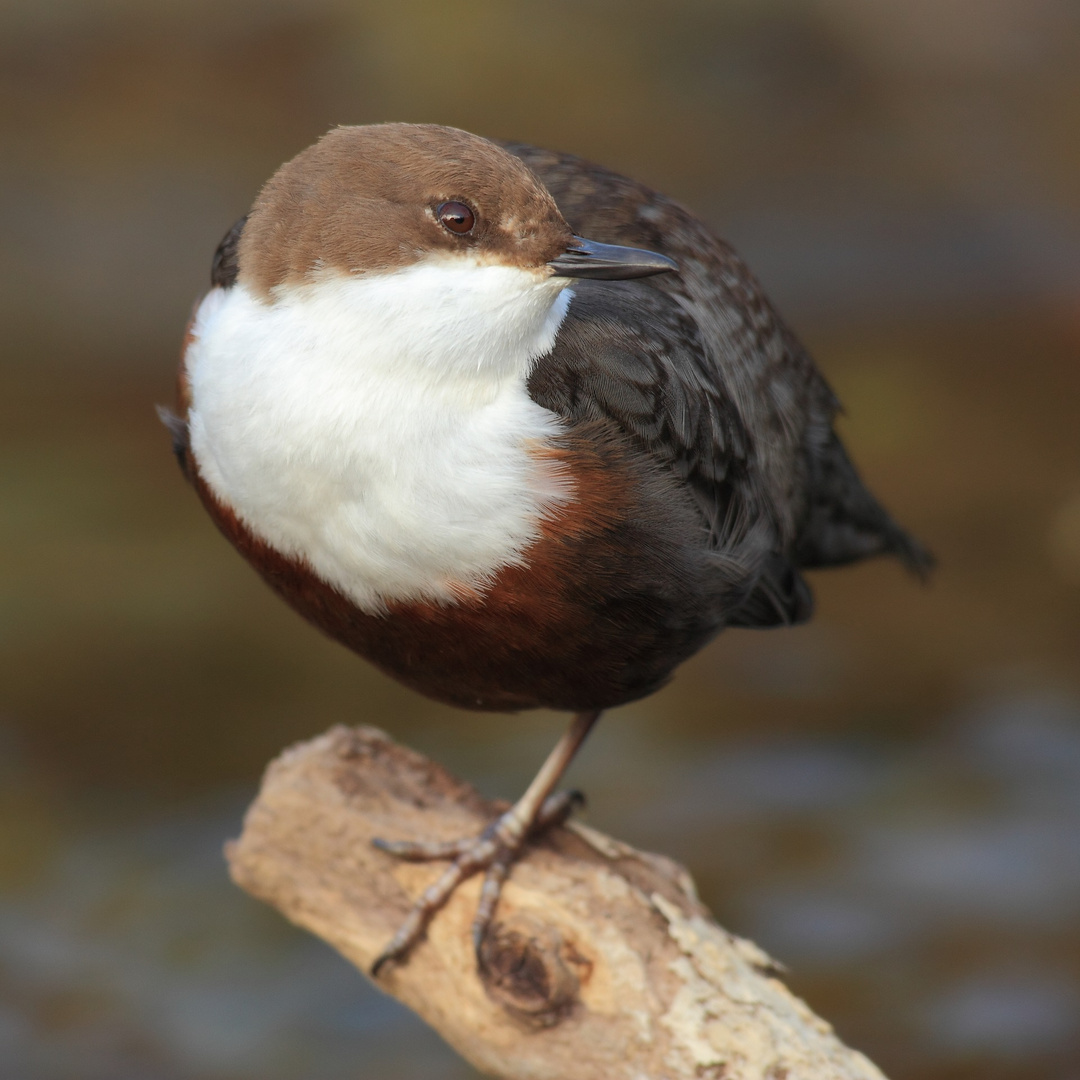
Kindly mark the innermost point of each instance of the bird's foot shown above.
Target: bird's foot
(493, 851)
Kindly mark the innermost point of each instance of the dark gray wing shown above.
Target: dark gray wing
(225, 265)
(843, 522)
(628, 353)
(698, 369)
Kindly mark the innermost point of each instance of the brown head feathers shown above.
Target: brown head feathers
(366, 200)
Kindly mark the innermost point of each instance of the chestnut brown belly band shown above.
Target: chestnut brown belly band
(618, 590)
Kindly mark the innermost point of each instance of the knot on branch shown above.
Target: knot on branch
(531, 971)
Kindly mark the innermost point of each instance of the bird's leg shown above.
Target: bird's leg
(493, 851)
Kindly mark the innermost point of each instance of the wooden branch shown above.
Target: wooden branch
(602, 962)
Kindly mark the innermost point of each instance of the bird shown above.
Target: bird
(519, 430)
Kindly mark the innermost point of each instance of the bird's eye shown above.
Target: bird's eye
(455, 216)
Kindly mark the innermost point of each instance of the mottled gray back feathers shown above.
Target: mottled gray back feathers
(699, 370)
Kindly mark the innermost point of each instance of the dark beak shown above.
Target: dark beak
(587, 259)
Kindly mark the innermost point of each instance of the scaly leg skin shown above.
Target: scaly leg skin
(494, 850)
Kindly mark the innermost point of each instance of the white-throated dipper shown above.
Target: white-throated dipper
(517, 429)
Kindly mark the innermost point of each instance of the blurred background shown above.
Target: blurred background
(888, 799)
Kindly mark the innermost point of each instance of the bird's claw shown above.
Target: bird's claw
(493, 851)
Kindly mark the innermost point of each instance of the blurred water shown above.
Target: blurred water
(130, 955)
(127, 953)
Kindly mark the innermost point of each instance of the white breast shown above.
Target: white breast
(379, 427)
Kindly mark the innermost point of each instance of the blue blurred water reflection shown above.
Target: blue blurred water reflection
(127, 953)
(132, 955)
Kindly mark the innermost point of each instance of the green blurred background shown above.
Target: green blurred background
(887, 799)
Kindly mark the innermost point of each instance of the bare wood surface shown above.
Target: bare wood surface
(602, 962)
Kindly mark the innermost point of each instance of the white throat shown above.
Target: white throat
(379, 427)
